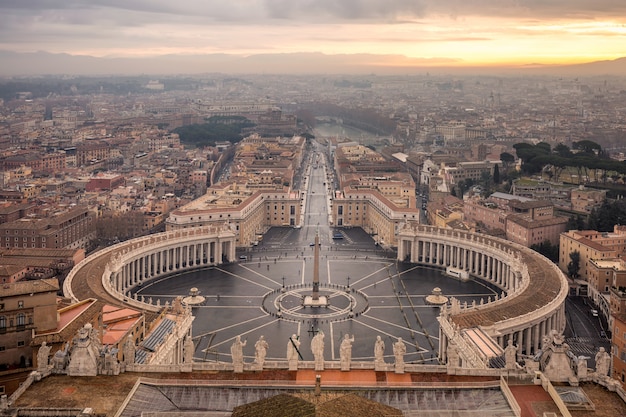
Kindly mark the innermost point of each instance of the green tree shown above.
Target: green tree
(573, 267)
(507, 159)
(575, 223)
(562, 150)
(496, 175)
(547, 249)
(587, 146)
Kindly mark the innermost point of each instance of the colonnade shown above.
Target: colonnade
(534, 288)
(124, 266)
(160, 260)
(491, 266)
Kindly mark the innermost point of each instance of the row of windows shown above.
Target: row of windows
(20, 320)
(25, 239)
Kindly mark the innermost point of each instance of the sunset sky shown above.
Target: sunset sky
(456, 32)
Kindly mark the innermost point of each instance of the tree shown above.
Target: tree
(587, 146)
(575, 223)
(562, 150)
(547, 249)
(573, 267)
(507, 160)
(496, 175)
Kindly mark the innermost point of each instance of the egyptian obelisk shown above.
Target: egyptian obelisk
(315, 299)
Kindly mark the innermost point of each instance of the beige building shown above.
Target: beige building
(25, 307)
(522, 220)
(618, 331)
(591, 245)
(372, 211)
(70, 229)
(247, 212)
(528, 230)
(584, 199)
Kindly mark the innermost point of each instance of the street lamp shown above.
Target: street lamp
(348, 286)
(283, 289)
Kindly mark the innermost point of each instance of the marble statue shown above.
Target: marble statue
(60, 359)
(236, 352)
(581, 367)
(399, 350)
(510, 355)
(556, 360)
(452, 354)
(85, 358)
(379, 353)
(345, 352)
(42, 357)
(188, 349)
(317, 347)
(260, 351)
(129, 350)
(292, 352)
(603, 362)
(109, 365)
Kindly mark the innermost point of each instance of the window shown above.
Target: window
(20, 343)
(20, 304)
(21, 319)
(3, 321)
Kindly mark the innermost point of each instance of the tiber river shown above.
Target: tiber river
(342, 131)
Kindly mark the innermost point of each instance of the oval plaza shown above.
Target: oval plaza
(530, 306)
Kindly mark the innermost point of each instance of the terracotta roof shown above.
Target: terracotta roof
(28, 287)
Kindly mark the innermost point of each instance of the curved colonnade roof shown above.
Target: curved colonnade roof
(87, 282)
(545, 285)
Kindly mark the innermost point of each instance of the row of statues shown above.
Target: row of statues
(317, 349)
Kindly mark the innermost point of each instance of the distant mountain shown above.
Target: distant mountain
(43, 63)
(612, 67)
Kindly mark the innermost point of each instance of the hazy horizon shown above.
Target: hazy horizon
(43, 63)
(408, 33)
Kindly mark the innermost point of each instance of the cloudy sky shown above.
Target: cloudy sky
(464, 31)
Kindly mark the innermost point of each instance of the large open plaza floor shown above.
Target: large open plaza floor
(370, 295)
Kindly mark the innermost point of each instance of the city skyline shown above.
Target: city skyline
(415, 33)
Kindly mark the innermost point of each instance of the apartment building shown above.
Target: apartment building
(557, 193)
(25, 307)
(375, 213)
(249, 212)
(591, 245)
(584, 200)
(619, 341)
(70, 229)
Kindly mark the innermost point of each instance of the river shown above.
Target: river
(343, 131)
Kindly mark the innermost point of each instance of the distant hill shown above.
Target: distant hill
(40, 63)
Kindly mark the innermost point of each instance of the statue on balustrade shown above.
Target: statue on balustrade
(379, 353)
(260, 351)
(345, 352)
(399, 350)
(603, 362)
(293, 352)
(317, 347)
(129, 350)
(42, 357)
(236, 351)
(510, 355)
